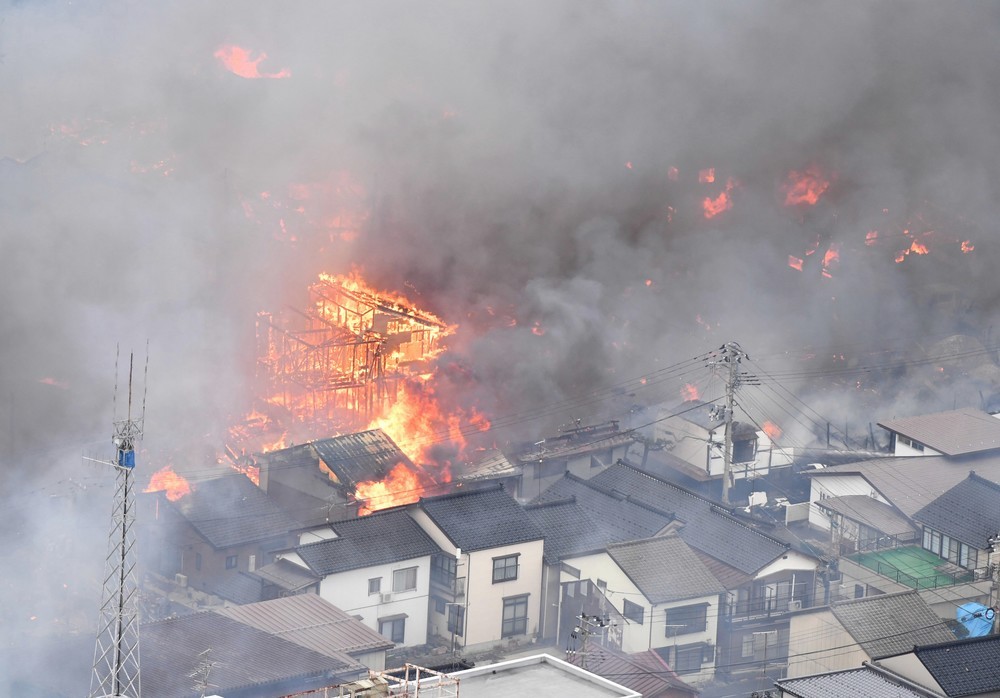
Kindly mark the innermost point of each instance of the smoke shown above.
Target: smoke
(513, 166)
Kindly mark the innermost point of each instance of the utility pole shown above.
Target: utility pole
(730, 355)
(587, 626)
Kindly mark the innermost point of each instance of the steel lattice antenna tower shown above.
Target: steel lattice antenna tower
(116, 654)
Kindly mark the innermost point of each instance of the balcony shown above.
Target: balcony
(913, 567)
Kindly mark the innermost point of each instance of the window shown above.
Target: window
(970, 556)
(404, 580)
(443, 569)
(747, 650)
(197, 561)
(374, 585)
(689, 658)
(231, 561)
(686, 619)
(633, 612)
(393, 628)
(440, 606)
(456, 619)
(505, 568)
(515, 616)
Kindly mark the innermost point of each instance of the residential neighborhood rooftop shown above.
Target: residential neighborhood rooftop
(379, 538)
(365, 455)
(968, 512)
(869, 511)
(964, 667)
(230, 510)
(484, 518)
(953, 433)
(665, 569)
(891, 623)
(852, 683)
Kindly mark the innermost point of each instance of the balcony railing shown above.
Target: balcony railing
(913, 567)
(767, 606)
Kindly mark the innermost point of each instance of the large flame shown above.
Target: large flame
(401, 486)
(165, 479)
(805, 187)
(240, 61)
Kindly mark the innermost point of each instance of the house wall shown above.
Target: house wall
(373, 660)
(349, 592)
(484, 599)
(821, 644)
(910, 668)
(837, 486)
(790, 561)
(213, 562)
(687, 441)
(652, 633)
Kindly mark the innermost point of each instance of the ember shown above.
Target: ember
(239, 61)
(804, 187)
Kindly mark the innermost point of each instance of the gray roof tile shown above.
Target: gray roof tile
(964, 667)
(869, 511)
(969, 511)
(665, 569)
(376, 539)
(706, 526)
(481, 519)
(953, 433)
(890, 624)
(853, 683)
(231, 510)
(359, 457)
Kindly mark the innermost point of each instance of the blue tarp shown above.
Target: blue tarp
(977, 618)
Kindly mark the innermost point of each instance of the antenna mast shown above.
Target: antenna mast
(116, 654)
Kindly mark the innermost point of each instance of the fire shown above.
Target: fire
(723, 202)
(240, 61)
(689, 392)
(166, 479)
(916, 247)
(795, 262)
(706, 176)
(772, 430)
(804, 187)
(871, 237)
(400, 486)
(967, 246)
(832, 256)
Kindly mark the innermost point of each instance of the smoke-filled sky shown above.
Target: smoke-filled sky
(498, 162)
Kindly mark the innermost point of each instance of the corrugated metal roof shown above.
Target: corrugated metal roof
(285, 574)
(310, 621)
(645, 672)
(953, 433)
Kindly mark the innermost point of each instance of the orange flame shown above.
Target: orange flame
(772, 430)
(166, 479)
(967, 246)
(240, 61)
(689, 392)
(804, 187)
(871, 237)
(723, 202)
(706, 176)
(795, 262)
(400, 486)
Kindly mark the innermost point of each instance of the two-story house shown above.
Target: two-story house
(377, 568)
(665, 596)
(953, 433)
(208, 538)
(486, 584)
(765, 577)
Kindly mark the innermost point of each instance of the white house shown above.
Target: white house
(486, 586)
(378, 568)
(665, 597)
(953, 433)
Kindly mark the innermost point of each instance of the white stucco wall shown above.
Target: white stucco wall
(484, 610)
(837, 486)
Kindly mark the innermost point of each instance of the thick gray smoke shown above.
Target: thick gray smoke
(514, 160)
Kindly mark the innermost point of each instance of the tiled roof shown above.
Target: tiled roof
(953, 433)
(285, 574)
(645, 672)
(309, 621)
(869, 511)
(706, 526)
(238, 588)
(481, 519)
(231, 510)
(613, 516)
(853, 683)
(244, 657)
(568, 528)
(366, 455)
(912, 482)
(964, 667)
(665, 569)
(969, 511)
(890, 624)
(376, 539)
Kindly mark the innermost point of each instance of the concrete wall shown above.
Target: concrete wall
(819, 644)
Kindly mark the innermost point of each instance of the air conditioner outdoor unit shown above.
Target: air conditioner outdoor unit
(180, 579)
(385, 598)
(794, 605)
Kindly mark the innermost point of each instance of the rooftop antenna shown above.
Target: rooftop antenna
(116, 653)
